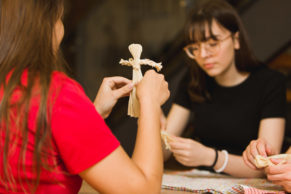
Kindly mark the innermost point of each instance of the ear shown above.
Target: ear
(236, 41)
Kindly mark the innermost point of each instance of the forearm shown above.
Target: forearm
(148, 149)
(272, 130)
(236, 166)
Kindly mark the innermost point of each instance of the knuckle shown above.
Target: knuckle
(106, 79)
(151, 71)
(253, 142)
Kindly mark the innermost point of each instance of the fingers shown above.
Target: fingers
(276, 177)
(175, 146)
(117, 81)
(278, 169)
(277, 161)
(164, 87)
(261, 147)
(180, 153)
(181, 146)
(123, 91)
(182, 160)
(180, 139)
(180, 143)
(256, 147)
(253, 151)
(153, 88)
(280, 175)
(119, 86)
(247, 162)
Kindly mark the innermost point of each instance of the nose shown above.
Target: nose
(203, 51)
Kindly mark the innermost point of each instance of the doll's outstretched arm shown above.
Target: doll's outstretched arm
(125, 62)
(149, 62)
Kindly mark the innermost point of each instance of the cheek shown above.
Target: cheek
(226, 56)
(60, 33)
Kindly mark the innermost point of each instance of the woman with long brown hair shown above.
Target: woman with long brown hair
(234, 99)
(51, 135)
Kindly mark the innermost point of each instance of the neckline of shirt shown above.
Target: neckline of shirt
(242, 84)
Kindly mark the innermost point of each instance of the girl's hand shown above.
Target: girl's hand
(111, 89)
(190, 152)
(280, 174)
(256, 147)
(152, 89)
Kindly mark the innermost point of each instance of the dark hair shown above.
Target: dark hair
(26, 45)
(223, 13)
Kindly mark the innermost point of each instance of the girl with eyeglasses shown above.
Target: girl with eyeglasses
(234, 99)
(51, 135)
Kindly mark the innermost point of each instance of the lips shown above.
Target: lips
(208, 65)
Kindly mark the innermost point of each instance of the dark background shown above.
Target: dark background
(98, 32)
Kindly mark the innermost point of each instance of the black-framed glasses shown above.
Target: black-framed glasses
(211, 46)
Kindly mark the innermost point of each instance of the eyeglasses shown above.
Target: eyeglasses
(211, 46)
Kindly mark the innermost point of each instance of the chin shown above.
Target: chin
(212, 72)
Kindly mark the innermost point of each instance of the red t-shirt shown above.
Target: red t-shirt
(80, 138)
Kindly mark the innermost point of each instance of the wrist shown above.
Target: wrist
(211, 157)
(148, 103)
(99, 110)
(222, 161)
(150, 111)
(215, 159)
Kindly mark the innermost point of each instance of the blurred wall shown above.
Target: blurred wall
(102, 37)
(102, 40)
(111, 26)
(268, 22)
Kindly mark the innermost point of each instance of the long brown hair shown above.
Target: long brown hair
(204, 14)
(26, 45)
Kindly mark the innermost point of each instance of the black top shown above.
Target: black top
(231, 119)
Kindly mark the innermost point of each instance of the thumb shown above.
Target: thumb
(276, 160)
(123, 91)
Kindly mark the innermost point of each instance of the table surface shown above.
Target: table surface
(171, 164)
(173, 169)
(87, 189)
